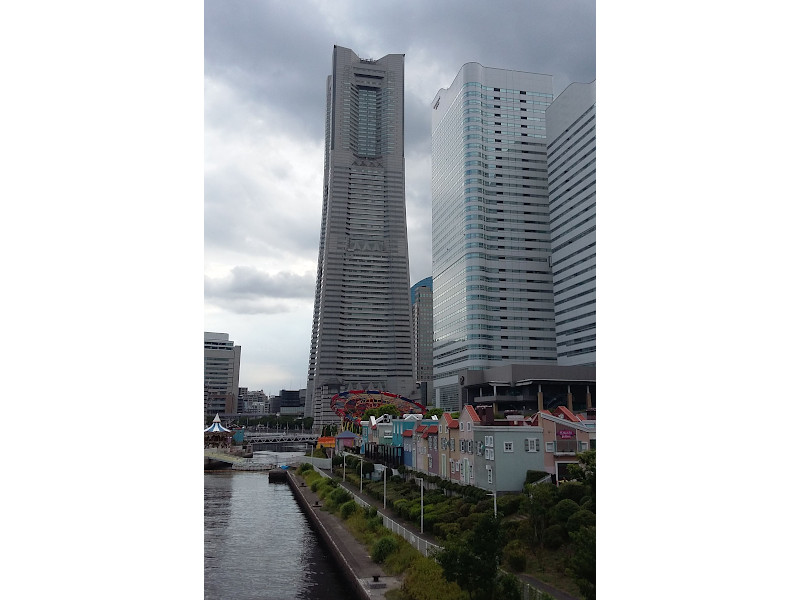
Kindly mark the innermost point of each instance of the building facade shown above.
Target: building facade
(361, 330)
(492, 284)
(571, 185)
(221, 373)
(422, 334)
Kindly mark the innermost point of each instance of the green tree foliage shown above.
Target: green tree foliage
(515, 556)
(508, 587)
(564, 510)
(424, 580)
(433, 412)
(573, 490)
(383, 548)
(554, 537)
(541, 498)
(582, 566)
(585, 470)
(580, 518)
(472, 561)
(383, 409)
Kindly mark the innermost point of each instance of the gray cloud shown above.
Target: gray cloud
(250, 284)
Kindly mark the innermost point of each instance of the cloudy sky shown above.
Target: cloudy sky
(265, 67)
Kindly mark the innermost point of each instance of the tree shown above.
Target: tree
(585, 470)
(472, 559)
(384, 409)
(541, 498)
(434, 412)
(582, 567)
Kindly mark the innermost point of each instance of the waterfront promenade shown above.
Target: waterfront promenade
(364, 564)
(352, 557)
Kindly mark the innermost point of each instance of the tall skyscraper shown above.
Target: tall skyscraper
(571, 181)
(221, 373)
(493, 289)
(361, 333)
(422, 333)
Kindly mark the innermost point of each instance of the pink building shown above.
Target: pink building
(564, 435)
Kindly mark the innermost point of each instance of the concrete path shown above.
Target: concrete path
(356, 557)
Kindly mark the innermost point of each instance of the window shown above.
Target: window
(489, 474)
(430, 462)
(469, 426)
(452, 466)
(508, 446)
(550, 447)
(489, 441)
(461, 427)
(462, 445)
(532, 445)
(490, 454)
(469, 446)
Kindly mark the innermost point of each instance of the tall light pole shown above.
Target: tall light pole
(361, 479)
(344, 465)
(421, 506)
(384, 486)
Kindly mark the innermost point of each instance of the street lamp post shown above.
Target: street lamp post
(384, 486)
(344, 465)
(421, 506)
(361, 478)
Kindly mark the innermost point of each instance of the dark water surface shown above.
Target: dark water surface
(258, 543)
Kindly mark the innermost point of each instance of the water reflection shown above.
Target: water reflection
(258, 543)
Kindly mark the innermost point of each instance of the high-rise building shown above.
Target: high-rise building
(221, 373)
(361, 333)
(422, 334)
(493, 289)
(571, 181)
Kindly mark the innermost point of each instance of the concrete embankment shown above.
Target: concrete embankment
(366, 577)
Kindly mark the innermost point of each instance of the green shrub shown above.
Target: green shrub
(580, 518)
(508, 587)
(515, 556)
(338, 496)
(564, 510)
(348, 508)
(383, 548)
(554, 536)
(509, 504)
(573, 490)
(424, 580)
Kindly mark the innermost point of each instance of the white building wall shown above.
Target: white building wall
(571, 184)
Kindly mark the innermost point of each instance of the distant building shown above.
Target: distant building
(571, 182)
(221, 373)
(255, 401)
(492, 284)
(289, 402)
(361, 329)
(422, 334)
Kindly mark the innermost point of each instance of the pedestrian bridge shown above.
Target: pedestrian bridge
(281, 437)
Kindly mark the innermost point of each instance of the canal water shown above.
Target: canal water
(259, 544)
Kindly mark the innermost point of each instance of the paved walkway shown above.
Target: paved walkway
(355, 555)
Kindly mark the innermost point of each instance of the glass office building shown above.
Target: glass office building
(492, 283)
